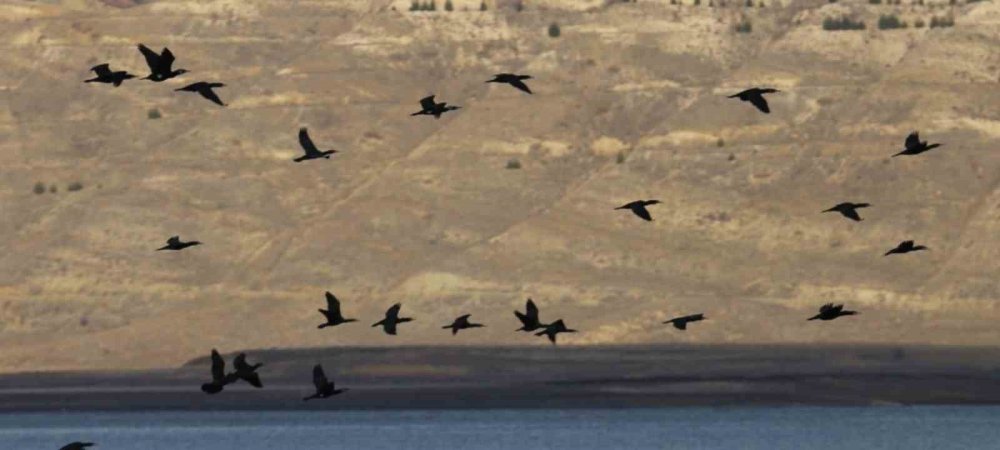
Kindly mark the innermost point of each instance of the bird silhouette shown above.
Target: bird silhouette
(174, 243)
(554, 328)
(311, 151)
(247, 372)
(638, 208)
(205, 90)
(830, 311)
(529, 320)
(160, 64)
(105, 75)
(219, 376)
(681, 323)
(77, 445)
(332, 312)
(914, 146)
(324, 387)
(462, 323)
(905, 247)
(391, 320)
(848, 210)
(513, 80)
(431, 108)
(756, 97)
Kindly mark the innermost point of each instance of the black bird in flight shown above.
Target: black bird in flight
(332, 312)
(174, 243)
(638, 207)
(914, 146)
(160, 65)
(324, 387)
(247, 372)
(77, 445)
(553, 329)
(105, 75)
(431, 108)
(311, 151)
(848, 210)
(391, 320)
(529, 320)
(681, 323)
(513, 80)
(205, 90)
(905, 247)
(219, 377)
(830, 311)
(756, 97)
(462, 323)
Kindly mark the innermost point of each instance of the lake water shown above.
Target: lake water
(771, 428)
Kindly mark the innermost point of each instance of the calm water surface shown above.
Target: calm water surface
(911, 428)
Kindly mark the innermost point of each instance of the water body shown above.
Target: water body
(771, 428)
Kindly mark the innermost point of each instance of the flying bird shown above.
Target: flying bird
(431, 108)
(513, 80)
(529, 319)
(848, 210)
(205, 90)
(247, 372)
(830, 311)
(462, 323)
(332, 312)
(311, 151)
(905, 247)
(914, 146)
(681, 323)
(219, 377)
(160, 64)
(174, 243)
(105, 75)
(638, 208)
(553, 329)
(392, 319)
(77, 445)
(756, 97)
(324, 387)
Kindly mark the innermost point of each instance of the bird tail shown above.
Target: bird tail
(417, 113)
(900, 153)
(305, 399)
(379, 323)
(322, 326)
(813, 318)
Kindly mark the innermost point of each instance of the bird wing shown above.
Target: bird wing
(851, 213)
(393, 312)
(208, 93)
(166, 59)
(759, 102)
(558, 325)
(253, 379)
(641, 211)
(531, 310)
(825, 308)
(464, 318)
(332, 304)
(174, 240)
(102, 69)
(319, 378)
(152, 58)
(905, 244)
(912, 140)
(307, 143)
(695, 317)
(837, 308)
(427, 103)
(218, 367)
(520, 85)
(240, 363)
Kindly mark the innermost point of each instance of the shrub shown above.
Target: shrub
(744, 27)
(39, 188)
(74, 186)
(519, 6)
(720, 143)
(697, 2)
(841, 24)
(942, 22)
(513, 164)
(749, 3)
(554, 30)
(620, 157)
(53, 188)
(153, 114)
(432, 6)
(875, 2)
(890, 22)
(415, 6)
(482, 5)
(448, 6)
(919, 23)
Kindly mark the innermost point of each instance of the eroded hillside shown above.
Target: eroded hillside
(629, 103)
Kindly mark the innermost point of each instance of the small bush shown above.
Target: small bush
(919, 23)
(432, 6)
(448, 6)
(415, 5)
(74, 186)
(482, 5)
(513, 164)
(890, 22)
(744, 27)
(875, 2)
(153, 114)
(519, 6)
(841, 24)
(942, 22)
(749, 3)
(720, 143)
(697, 2)
(53, 189)
(620, 157)
(39, 188)
(554, 30)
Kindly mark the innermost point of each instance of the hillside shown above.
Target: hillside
(629, 103)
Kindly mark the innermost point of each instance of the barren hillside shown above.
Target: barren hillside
(629, 103)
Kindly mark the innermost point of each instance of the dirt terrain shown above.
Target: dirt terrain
(629, 104)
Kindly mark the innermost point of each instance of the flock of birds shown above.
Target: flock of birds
(161, 69)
